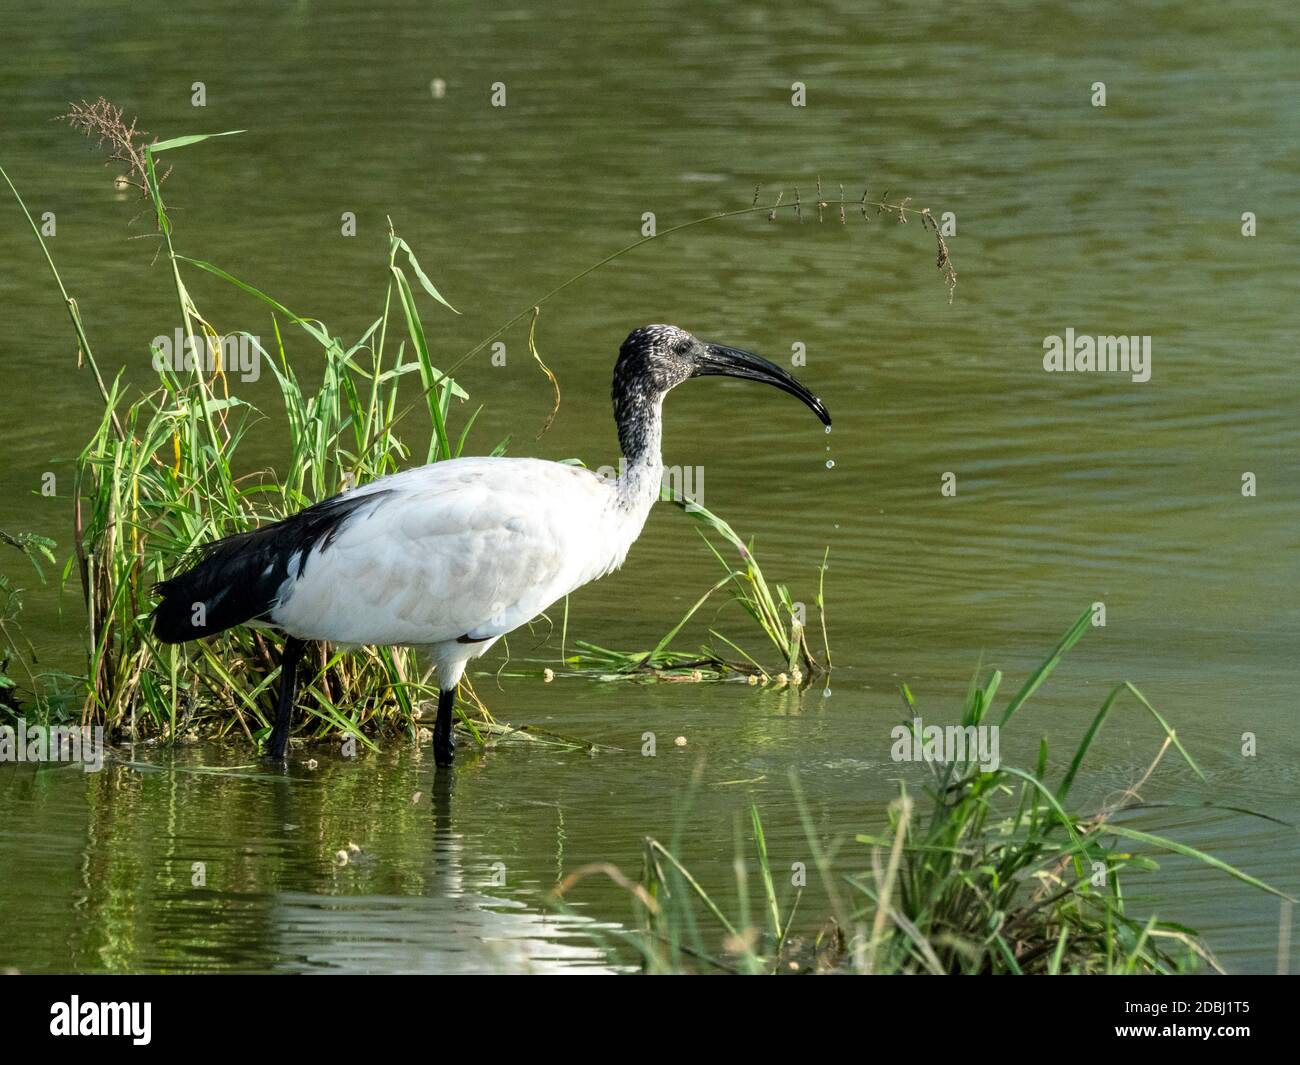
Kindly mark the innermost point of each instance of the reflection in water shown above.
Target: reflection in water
(445, 934)
(455, 928)
(182, 868)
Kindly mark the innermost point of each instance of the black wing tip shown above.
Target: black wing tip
(170, 623)
(238, 578)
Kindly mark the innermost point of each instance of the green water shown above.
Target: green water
(1071, 488)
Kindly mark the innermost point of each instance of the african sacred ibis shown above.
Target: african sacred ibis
(452, 556)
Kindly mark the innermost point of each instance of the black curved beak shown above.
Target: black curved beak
(720, 360)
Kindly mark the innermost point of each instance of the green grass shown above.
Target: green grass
(987, 872)
(779, 622)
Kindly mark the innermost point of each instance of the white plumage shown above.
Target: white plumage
(457, 554)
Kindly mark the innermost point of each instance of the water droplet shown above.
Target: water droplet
(828, 430)
(826, 693)
(830, 464)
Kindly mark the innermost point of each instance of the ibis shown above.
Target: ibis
(448, 558)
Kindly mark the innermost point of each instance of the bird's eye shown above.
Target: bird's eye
(681, 347)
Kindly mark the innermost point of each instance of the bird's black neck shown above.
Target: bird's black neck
(637, 414)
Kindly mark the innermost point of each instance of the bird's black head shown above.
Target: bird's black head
(656, 358)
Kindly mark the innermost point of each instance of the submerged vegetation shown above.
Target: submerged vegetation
(990, 873)
(160, 476)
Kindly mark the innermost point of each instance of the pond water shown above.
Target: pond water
(1070, 488)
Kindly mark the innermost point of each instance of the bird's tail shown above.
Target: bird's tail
(229, 584)
(242, 577)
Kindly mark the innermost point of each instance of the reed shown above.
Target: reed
(984, 872)
(780, 622)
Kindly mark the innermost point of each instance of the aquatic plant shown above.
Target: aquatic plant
(990, 873)
(781, 621)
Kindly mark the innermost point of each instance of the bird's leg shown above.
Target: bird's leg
(293, 650)
(444, 741)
